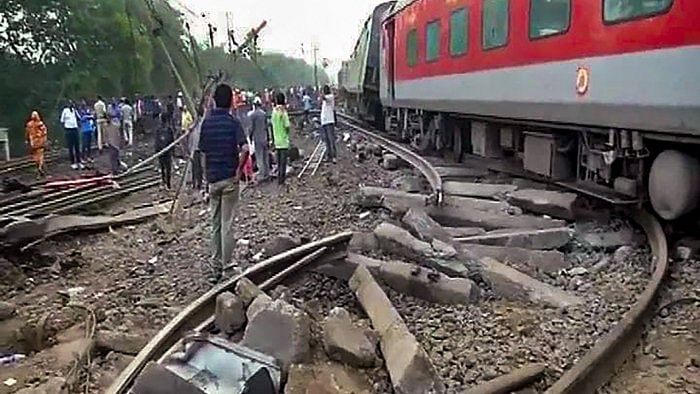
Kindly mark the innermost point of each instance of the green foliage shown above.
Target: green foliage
(53, 50)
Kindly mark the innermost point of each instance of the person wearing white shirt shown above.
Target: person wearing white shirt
(328, 123)
(69, 120)
(101, 118)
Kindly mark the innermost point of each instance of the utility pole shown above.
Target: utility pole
(315, 49)
(228, 32)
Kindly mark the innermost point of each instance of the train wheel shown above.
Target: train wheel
(674, 184)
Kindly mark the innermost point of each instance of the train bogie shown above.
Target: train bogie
(590, 94)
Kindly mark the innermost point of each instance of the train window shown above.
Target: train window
(495, 23)
(549, 17)
(624, 10)
(412, 48)
(459, 32)
(432, 41)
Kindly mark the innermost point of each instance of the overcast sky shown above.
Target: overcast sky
(333, 24)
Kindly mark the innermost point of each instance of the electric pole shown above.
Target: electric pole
(315, 49)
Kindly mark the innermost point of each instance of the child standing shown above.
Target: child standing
(280, 133)
(164, 137)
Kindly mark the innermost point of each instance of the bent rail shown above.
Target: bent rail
(202, 308)
(406, 154)
(601, 362)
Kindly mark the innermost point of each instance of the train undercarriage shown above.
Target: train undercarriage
(619, 166)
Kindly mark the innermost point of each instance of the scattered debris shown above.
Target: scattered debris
(120, 342)
(281, 331)
(546, 202)
(410, 368)
(347, 343)
(514, 285)
(230, 313)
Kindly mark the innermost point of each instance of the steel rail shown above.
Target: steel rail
(69, 197)
(596, 368)
(202, 309)
(41, 196)
(406, 154)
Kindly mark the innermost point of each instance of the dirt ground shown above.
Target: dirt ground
(135, 279)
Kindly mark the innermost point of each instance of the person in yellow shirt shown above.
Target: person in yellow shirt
(187, 120)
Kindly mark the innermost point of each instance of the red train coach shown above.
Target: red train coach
(589, 92)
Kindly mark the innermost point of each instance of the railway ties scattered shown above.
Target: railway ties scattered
(444, 305)
(596, 366)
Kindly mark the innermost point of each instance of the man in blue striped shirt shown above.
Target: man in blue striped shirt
(221, 140)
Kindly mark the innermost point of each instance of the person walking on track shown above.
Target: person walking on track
(280, 134)
(221, 141)
(128, 122)
(164, 137)
(328, 123)
(36, 140)
(102, 120)
(258, 134)
(70, 120)
(113, 140)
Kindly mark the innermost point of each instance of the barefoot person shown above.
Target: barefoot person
(221, 141)
(36, 139)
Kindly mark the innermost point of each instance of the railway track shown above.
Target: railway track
(23, 163)
(587, 374)
(47, 201)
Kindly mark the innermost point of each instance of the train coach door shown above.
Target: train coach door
(390, 58)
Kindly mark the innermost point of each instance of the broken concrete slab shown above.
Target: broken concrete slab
(461, 172)
(456, 211)
(479, 190)
(543, 239)
(461, 232)
(326, 378)
(544, 261)
(363, 242)
(259, 303)
(247, 291)
(401, 202)
(343, 341)
(345, 268)
(427, 284)
(420, 224)
(396, 240)
(512, 284)
(23, 232)
(406, 278)
(410, 369)
(229, 316)
(281, 331)
(546, 202)
(120, 342)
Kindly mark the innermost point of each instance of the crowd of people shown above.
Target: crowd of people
(234, 142)
(243, 137)
(102, 126)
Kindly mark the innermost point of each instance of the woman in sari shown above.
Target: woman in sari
(36, 139)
